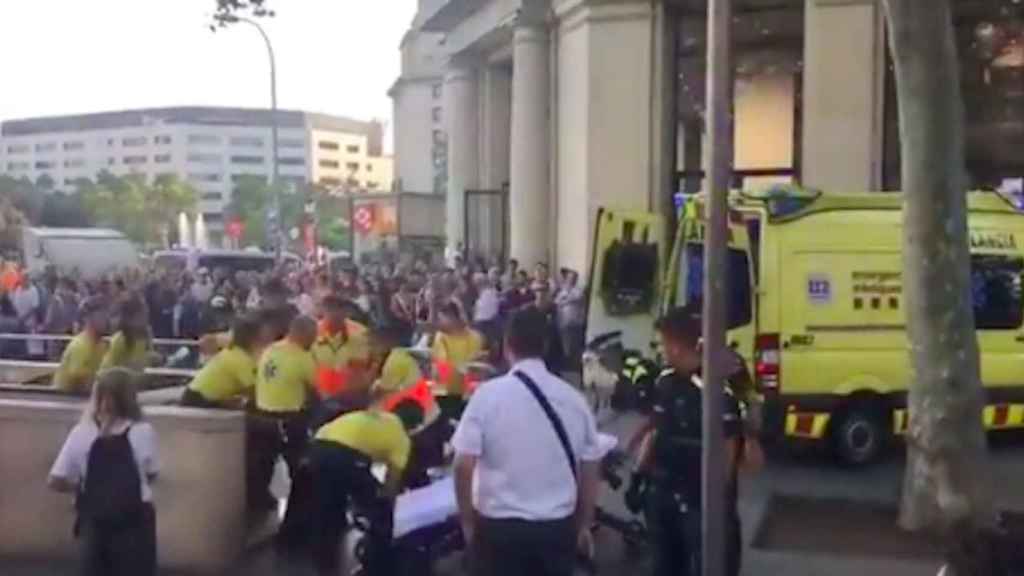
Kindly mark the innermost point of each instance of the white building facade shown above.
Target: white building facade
(575, 105)
(212, 148)
(421, 164)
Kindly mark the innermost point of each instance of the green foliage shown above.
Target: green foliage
(253, 197)
(144, 212)
(62, 210)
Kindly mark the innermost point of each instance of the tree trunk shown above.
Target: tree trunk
(946, 488)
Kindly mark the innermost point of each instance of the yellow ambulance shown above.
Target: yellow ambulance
(816, 305)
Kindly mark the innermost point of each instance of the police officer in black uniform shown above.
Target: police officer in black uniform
(670, 458)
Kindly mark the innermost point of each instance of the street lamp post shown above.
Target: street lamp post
(275, 206)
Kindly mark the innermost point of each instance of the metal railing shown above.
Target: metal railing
(22, 374)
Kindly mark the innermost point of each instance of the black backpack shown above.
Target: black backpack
(113, 486)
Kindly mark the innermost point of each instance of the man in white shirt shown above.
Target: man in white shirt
(202, 288)
(571, 314)
(525, 503)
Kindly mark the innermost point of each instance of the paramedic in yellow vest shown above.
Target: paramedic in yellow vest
(131, 346)
(455, 346)
(284, 385)
(228, 380)
(82, 358)
(341, 347)
(341, 457)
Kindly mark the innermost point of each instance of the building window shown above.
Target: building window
(44, 165)
(12, 166)
(203, 139)
(162, 158)
(436, 113)
(247, 142)
(437, 91)
(133, 160)
(195, 177)
(352, 166)
(111, 161)
(439, 137)
(371, 185)
(204, 159)
(133, 141)
(292, 161)
(369, 167)
(76, 145)
(352, 149)
(332, 164)
(46, 147)
(291, 143)
(162, 139)
(328, 145)
(293, 180)
(110, 142)
(18, 149)
(212, 196)
(236, 178)
(327, 181)
(74, 162)
(247, 159)
(352, 183)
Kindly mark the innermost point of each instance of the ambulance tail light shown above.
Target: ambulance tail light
(767, 354)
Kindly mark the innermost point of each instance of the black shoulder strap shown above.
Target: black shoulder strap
(556, 422)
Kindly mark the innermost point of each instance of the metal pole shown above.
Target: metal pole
(719, 131)
(275, 205)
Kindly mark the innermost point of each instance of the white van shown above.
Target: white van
(91, 251)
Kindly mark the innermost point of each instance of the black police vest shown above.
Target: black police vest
(678, 433)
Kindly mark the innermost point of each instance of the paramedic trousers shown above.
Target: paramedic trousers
(126, 547)
(285, 435)
(675, 534)
(512, 547)
(342, 476)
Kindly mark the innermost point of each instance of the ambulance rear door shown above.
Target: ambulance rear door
(628, 256)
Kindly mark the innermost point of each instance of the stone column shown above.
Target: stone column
(460, 113)
(529, 197)
(843, 98)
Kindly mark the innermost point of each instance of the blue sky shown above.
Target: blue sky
(75, 56)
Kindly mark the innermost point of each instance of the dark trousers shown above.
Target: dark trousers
(675, 532)
(341, 475)
(285, 436)
(126, 547)
(518, 547)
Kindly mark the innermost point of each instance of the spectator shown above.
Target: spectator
(528, 443)
(61, 316)
(11, 324)
(202, 289)
(485, 313)
(571, 315)
(109, 461)
(511, 276)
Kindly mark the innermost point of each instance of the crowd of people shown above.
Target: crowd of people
(187, 305)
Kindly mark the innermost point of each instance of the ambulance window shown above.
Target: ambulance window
(996, 292)
(740, 309)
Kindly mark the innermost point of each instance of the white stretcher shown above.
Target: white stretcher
(436, 503)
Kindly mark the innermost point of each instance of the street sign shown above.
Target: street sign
(363, 218)
(235, 228)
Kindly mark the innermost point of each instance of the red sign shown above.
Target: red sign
(363, 219)
(235, 228)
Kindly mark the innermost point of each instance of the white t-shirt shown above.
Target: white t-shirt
(73, 460)
(521, 469)
(487, 306)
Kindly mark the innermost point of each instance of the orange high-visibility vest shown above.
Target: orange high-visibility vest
(420, 394)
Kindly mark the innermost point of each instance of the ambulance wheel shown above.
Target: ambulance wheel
(859, 435)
